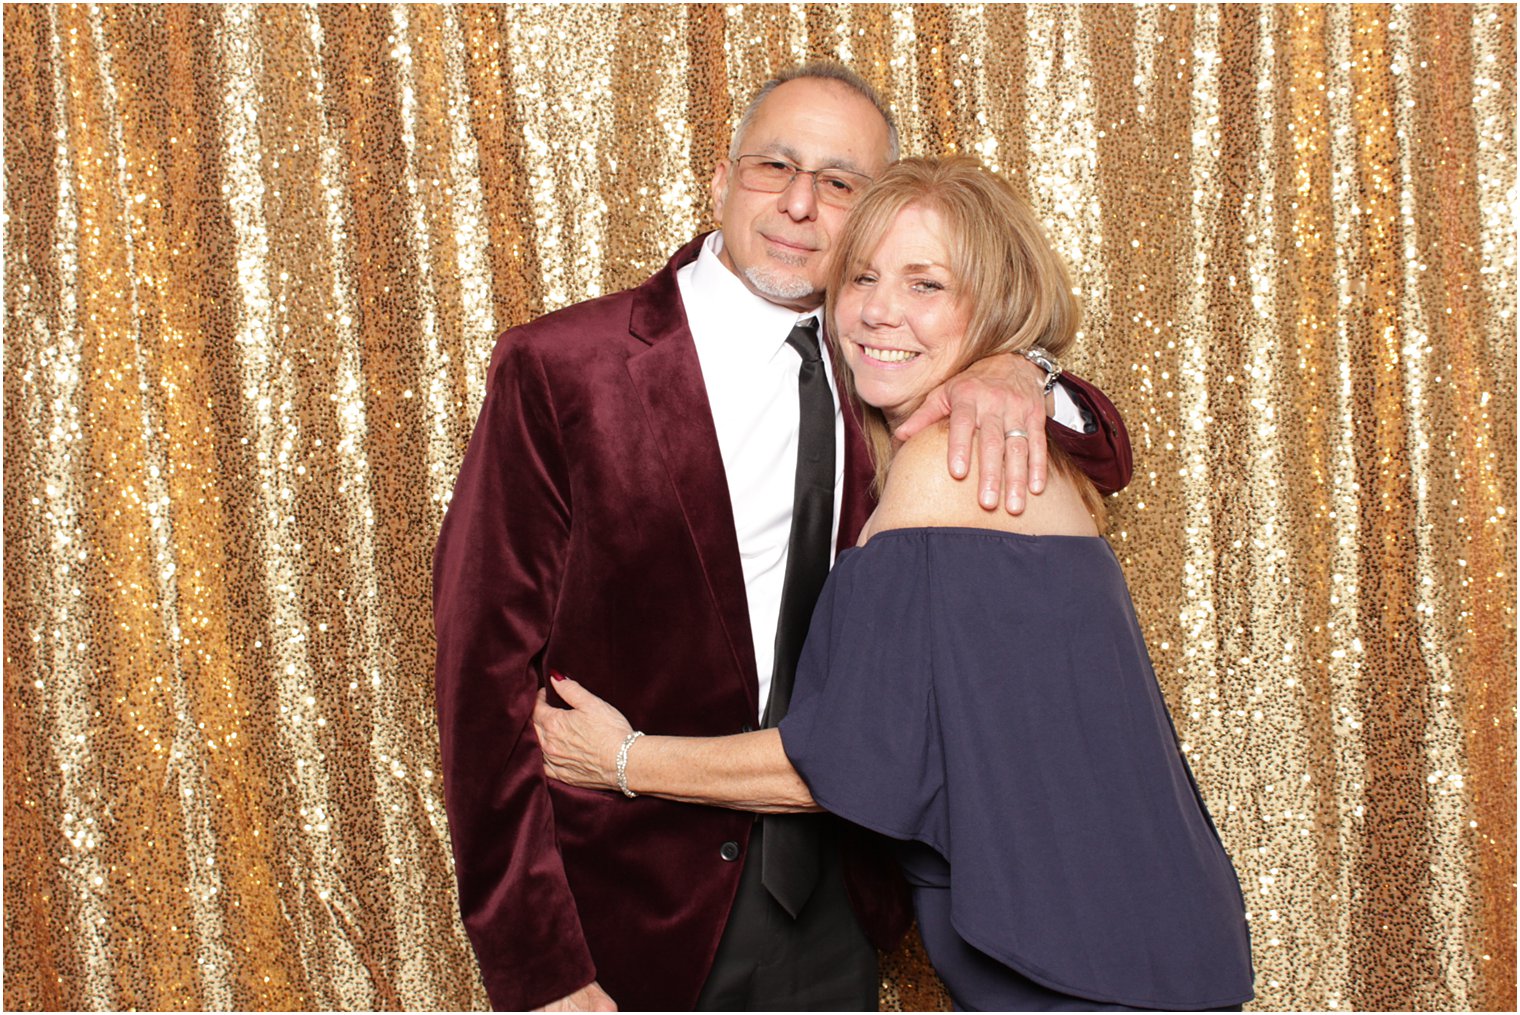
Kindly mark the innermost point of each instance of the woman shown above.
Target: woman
(1059, 853)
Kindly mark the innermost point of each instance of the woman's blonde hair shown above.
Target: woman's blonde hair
(1015, 285)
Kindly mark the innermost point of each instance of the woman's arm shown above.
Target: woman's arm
(746, 771)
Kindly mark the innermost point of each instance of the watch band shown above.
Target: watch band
(1041, 357)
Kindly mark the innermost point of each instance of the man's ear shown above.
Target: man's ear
(719, 189)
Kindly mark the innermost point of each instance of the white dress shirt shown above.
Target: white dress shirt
(751, 378)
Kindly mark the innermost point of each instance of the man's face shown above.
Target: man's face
(781, 245)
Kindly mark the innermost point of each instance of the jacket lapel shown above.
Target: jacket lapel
(858, 499)
(668, 379)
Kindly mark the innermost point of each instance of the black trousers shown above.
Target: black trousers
(767, 961)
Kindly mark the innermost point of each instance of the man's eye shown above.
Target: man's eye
(839, 184)
(775, 167)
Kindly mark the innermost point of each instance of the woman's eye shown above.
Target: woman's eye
(928, 285)
(864, 279)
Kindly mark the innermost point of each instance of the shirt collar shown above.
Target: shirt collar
(724, 300)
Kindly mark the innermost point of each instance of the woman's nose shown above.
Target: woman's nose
(879, 308)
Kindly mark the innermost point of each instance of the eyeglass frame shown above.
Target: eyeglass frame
(797, 171)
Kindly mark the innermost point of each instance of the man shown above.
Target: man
(624, 514)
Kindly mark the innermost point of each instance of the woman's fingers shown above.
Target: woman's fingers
(569, 689)
(579, 743)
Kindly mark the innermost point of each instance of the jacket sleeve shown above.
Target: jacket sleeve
(496, 576)
(1103, 454)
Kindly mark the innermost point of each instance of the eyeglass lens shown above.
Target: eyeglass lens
(772, 176)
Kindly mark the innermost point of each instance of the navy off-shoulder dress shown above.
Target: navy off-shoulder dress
(987, 698)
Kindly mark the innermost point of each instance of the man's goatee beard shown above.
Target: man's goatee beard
(784, 287)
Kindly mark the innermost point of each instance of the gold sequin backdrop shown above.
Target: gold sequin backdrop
(254, 262)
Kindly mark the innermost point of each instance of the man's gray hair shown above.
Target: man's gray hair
(825, 70)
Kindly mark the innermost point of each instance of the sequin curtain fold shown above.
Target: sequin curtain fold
(255, 260)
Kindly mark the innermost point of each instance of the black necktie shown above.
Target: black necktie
(792, 843)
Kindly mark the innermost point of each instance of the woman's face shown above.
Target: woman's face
(901, 317)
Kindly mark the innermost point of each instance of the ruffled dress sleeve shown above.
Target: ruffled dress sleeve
(990, 696)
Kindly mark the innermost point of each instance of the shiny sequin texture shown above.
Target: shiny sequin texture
(255, 260)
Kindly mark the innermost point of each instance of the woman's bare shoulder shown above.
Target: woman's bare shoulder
(920, 492)
(920, 489)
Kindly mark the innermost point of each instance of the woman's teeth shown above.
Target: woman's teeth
(888, 355)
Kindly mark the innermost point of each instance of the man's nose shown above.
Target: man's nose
(799, 199)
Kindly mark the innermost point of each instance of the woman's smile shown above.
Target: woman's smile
(881, 355)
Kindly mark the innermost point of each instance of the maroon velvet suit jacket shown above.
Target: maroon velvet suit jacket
(590, 532)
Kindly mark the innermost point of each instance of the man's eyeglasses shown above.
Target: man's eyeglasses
(770, 174)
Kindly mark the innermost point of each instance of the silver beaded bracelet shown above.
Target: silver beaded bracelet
(622, 764)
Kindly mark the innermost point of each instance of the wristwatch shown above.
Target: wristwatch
(1041, 357)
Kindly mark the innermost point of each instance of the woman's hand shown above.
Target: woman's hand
(742, 771)
(580, 743)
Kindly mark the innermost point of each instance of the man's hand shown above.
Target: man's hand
(591, 997)
(991, 397)
(580, 743)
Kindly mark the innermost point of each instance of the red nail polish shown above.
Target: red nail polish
(556, 674)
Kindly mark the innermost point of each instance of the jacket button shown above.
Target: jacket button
(730, 851)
